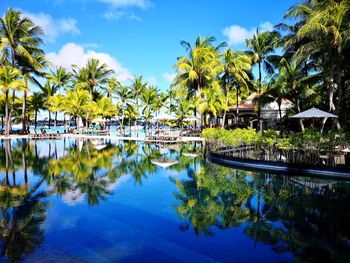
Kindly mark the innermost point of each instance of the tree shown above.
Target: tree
(124, 96)
(93, 75)
(111, 87)
(36, 103)
(211, 101)
(20, 40)
(76, 103)
(237, 67)
(137, 87)
(325, 35)
(200, 67)
(48, 91)
(149, 99)
(262, 45)
(10, 78)
(55, 104)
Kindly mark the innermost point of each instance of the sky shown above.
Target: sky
(142, 37)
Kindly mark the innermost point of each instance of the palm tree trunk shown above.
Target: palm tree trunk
(10, 111)
(24, 111)
(35, 119)
(7, 128)
(237, 109)
(55, 123)
(259, 91)
(224, 116)
(49, 119)
(280, 111)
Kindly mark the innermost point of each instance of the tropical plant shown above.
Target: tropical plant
(211, 101)
(236, 74)
(36, 103)
(20, 40)
(261, 46)
(94, 74)
(10, 79)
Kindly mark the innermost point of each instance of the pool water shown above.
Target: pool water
(112, 201)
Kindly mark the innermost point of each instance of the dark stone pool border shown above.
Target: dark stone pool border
(280, 167)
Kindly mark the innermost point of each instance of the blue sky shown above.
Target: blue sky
(141, 37)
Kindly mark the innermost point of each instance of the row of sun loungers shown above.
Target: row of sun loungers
(91, 132)
(44, 134)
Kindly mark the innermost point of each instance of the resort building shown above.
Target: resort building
(248, 114)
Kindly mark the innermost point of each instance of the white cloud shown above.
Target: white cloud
(53, 28)
(237, 34)
(169, 76)
(74, 54)
(126, 3)
(116, 15)
(152, 81)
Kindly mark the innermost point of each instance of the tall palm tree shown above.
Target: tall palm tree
(48, 91)
(325, 32)
(202, 64)
(211, 101)
(124, 97)
(20, 41)
(111, 87)
(262, 45)
(149, 99)
(237, 71)
(55, 104)
(137, 87)
(93, 75)
(76, 103)
(10, 78)
(36, 103)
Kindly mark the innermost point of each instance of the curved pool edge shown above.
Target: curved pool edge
(280, 167)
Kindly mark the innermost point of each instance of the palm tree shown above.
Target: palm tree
(200, 67)
(10, 78)
(137, 87)
(103, 108)
(211, 101)
(111, 88)
(76, 103)
(20, 39)
(325, 34)
(237, 67)
(262, 45)
(149, 99)
(55, 104)
(36, 103)
(48, 91)
(124, 96)
(93, 75)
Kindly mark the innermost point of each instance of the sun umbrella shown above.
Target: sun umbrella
(314, 113)
(193, 118)
(164, 117)
(99, 120)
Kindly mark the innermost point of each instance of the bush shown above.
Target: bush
(310, 139)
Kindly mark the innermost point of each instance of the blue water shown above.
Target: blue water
(105, 201)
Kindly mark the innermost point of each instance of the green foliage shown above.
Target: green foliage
(310, 139)
(232, 138)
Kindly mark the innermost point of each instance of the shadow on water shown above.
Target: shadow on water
(305, 217)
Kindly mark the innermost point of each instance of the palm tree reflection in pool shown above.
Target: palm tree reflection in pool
(303, 216)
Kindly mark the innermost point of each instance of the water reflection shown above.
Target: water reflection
(307, 218)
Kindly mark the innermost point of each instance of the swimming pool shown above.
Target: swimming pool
(104, 200)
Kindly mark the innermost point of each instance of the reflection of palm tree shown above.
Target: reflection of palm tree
(87, 169)
(21, 220)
